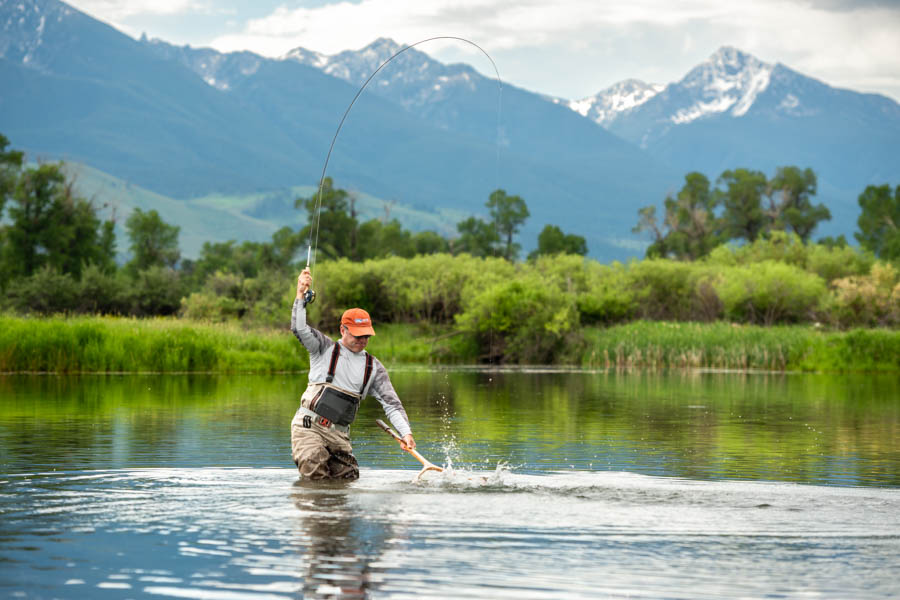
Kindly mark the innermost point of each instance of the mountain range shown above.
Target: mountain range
(429, 138)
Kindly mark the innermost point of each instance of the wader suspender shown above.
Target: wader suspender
(335, 353)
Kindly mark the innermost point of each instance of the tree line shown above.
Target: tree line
(57, 254)
(745, 205)
(748, 233)
(336, 231)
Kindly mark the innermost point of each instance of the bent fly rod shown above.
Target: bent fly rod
(312, 248)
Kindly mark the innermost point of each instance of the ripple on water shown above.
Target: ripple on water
(259, 533)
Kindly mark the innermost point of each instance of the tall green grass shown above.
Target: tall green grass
(107, 344)
(723, 345)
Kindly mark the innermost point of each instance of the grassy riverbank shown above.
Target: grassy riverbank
(105, 344)
(726, 346)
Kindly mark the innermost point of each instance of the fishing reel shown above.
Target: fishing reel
(308, 297)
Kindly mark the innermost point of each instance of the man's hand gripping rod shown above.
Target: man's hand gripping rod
(426, 464)
(308, 295)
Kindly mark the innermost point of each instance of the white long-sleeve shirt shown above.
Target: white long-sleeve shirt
(350, 370)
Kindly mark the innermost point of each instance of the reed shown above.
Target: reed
(111, 344)
(721, 345)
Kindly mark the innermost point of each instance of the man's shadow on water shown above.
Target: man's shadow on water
(340, 541)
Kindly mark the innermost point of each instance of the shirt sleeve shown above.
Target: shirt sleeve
(312, 339)
(383, 390)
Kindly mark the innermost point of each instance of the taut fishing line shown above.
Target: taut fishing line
(313, 247)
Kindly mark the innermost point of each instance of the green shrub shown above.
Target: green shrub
(156, 291)
(521, 321)
(396, 290)
(871, 300)
(835, 262)
(609, 297)
(100, 292)
(663, 289)
(45, 292)
(770, 292)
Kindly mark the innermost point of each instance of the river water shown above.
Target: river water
(559, 485)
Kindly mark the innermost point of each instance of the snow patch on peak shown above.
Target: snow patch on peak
(306, 57)
(730, 80)
(617, 99)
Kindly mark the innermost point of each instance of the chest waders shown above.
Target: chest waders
(334, 404)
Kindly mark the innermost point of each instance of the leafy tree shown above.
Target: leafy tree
(692, 229)
(833, 242)
(508, 214)
(285, 245)
(879, 223)
(790, 206)
(743, 216)
(247, 259)
(476, 237)
(379, 240)
(430, 242)
(154, 243)
(10, 164)
(647, 222)
(552, 240)
(52, 226)
(333, 227)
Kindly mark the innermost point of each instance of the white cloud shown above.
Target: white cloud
(117, 10)
(574, 48)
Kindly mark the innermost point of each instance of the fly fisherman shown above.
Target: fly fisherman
(341, 374)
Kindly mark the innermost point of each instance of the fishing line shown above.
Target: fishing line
(312, 249)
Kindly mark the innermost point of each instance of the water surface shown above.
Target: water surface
(561, 485)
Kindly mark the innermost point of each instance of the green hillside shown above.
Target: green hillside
(219, 218)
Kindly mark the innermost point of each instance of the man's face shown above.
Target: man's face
(352, 342)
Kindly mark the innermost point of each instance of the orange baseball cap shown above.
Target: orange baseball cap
(357, 321)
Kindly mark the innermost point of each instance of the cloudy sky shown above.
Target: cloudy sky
(567, 48)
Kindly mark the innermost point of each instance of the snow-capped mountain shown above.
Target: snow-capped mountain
(188, 122)
(608, 105)
(28, 17)
(215, 68)
(414, 80)
(191, 121)
(729, 81)
(734, 110)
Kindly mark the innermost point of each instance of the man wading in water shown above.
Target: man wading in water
(341, 374)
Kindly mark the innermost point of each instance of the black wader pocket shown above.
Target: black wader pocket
(336, 406)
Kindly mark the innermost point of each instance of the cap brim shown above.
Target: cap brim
(358, 331)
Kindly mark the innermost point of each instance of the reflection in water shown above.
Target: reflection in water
(621, 485)
(340, 543)
(784, 427)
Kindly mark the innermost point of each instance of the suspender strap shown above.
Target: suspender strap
(335, 353)
(369, 364)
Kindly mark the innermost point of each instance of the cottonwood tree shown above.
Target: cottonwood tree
(51, 226)
(691, 227)
(879, 223)
(790, 206)
(10, 165)
(154, 243)
(334, 226)
(743, 216)
(476, 237)
(508, 214)
(552, 240)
